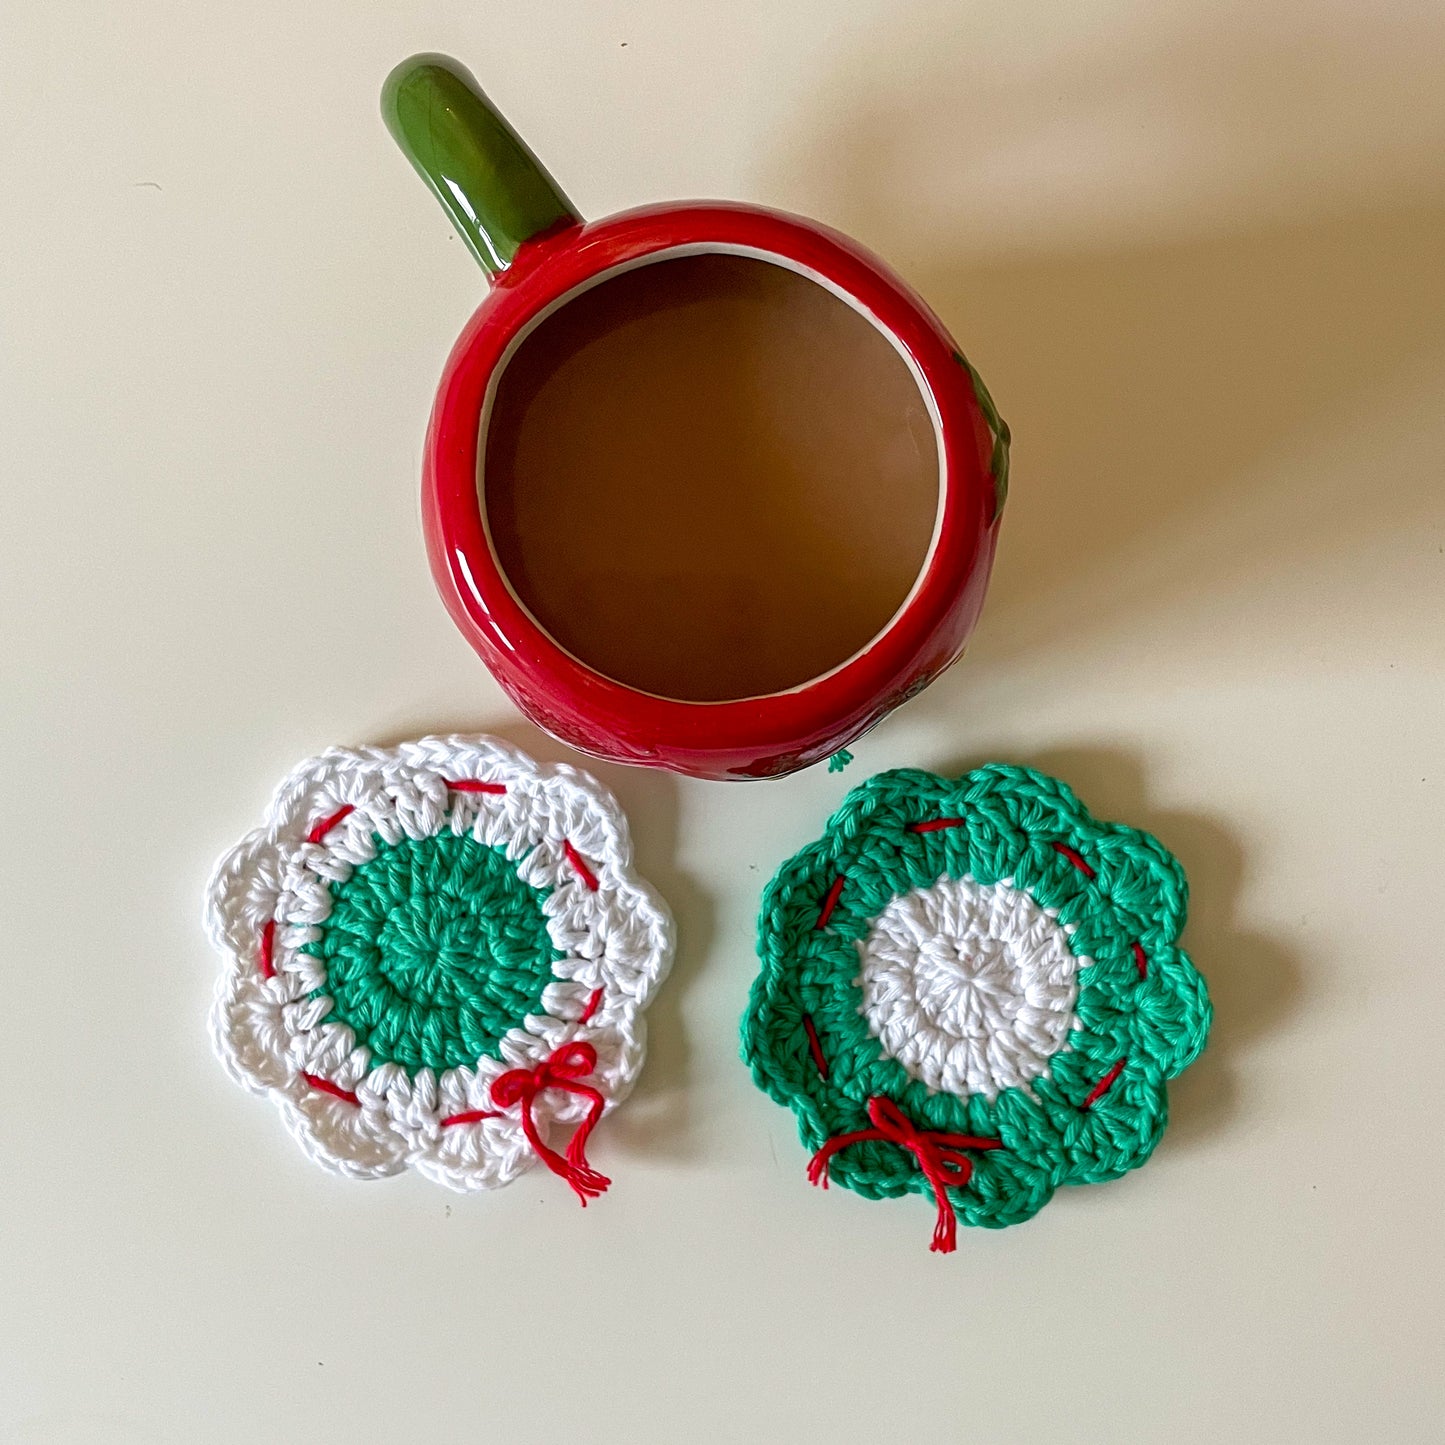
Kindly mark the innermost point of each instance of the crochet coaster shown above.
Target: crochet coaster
(972, 989)
(437, 955)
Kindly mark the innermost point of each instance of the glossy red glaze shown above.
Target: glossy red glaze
(754, 737)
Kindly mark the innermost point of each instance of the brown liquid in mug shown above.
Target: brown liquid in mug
(710, 478)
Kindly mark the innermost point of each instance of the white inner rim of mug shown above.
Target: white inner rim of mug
(707, 248)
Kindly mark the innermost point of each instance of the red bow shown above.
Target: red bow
(938, 1156)
(560, 1071)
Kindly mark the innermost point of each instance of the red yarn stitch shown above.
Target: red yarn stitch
(1141, 961)
(830, 902)
(321, 829)
(814, 1047)
(469, 1116)
(937, 1153)
(593, 1004)
(932, 825)
(1103, 1086)
(1077, 859)
(327, 1087)
(561, 1070)
(268, 943)
(588, 877)
(473, 785)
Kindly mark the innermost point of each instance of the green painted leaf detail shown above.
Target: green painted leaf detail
(998, 462)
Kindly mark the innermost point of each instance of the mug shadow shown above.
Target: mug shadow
(1154, 370)
(1151, 389)
(1255, 983)
(656, 1121)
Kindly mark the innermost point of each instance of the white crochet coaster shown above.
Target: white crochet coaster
(437, 955)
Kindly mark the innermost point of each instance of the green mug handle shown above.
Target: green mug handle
(494, 189)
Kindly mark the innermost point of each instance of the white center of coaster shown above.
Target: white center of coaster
(969, 986)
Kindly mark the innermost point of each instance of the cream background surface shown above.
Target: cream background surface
(1195, 247)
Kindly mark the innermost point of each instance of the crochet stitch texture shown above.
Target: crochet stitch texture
(437, 955)
(973, 989)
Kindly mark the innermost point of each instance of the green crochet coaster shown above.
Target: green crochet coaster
(974, 990)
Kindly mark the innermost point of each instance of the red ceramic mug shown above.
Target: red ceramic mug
(542, 257)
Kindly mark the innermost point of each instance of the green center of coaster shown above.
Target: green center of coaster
(433, 950)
